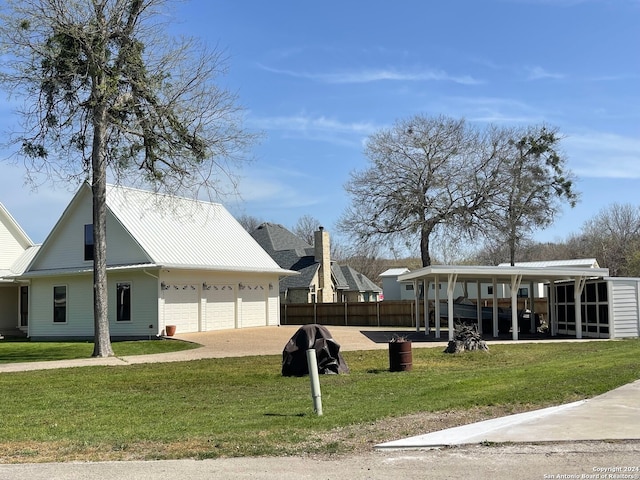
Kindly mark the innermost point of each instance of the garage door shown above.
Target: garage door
(220, 308)
(181, 307)
(253, 306)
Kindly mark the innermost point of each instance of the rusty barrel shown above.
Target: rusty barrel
(400, 356)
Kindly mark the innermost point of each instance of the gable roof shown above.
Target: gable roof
(16, 248)
(293, 253)
(285, 247)
(358, 281)
(12, 227)
(179, 232)
(394, 272)
(186, 233)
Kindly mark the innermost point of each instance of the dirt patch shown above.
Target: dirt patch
(352, 440)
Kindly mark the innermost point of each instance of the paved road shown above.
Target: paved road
(535, 462)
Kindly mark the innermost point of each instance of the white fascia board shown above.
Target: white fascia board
(503, 273)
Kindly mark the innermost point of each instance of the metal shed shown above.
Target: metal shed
(567, 314)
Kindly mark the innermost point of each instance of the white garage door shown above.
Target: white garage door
(253, 306)
(181, 307)
(220, 310)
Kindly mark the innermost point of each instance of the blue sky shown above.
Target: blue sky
(318, 77)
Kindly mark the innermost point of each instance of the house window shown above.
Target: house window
(490, 290)
(523, 292)
(408, 287)
(60, 304)
(88, 242)
(123, 302)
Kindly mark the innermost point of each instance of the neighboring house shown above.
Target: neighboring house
(170, 261)
(320, 279)
(16, 250)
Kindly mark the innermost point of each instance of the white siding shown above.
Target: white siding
(80, 307)
(10, 248)
(65, 246)
(625, 308)
(273, 312)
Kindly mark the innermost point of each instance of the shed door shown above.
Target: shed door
(181, 307)
(253, 306)
(220, 310)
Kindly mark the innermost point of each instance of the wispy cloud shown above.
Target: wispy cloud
(603, 155)
(378, 75)
(539, 73)
(317, 128)
(493, 110)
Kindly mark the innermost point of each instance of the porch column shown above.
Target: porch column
(425, 304)
(577, 294)
(417, 301)
(436, 306)
(495, 307)
(515, 285)
(451, 285)
(551, 309)
(479, 305)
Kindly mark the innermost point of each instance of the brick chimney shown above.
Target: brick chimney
(322, 252)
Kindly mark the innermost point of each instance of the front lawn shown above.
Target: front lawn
(14, 351)
(243, 406)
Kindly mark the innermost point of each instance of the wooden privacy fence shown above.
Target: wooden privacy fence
(393, 313)
(370, 314)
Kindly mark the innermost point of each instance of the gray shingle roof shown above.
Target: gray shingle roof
(358, 281)
(293, 253)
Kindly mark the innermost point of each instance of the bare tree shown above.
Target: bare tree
(306, 227)
(105, 92)
(535, 182)
(613, 236)
(424, 174)
(249, 222)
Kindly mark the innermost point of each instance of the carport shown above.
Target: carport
(513, 277)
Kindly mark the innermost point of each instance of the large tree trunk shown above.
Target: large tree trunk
(102, 337)
(425, 233)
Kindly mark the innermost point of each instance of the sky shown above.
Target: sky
(317, 78)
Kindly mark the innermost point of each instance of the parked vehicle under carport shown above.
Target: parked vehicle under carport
(465, 311)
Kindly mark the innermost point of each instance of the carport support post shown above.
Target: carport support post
(451, 285)
(436, 306)
(312, 363)
(579, 283)
(515, 285)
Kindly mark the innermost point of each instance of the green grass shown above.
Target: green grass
(13, 351)
(243, 406)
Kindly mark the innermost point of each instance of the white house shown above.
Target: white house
(170, 261)
(16, 250)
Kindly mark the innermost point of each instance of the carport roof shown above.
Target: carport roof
(504, 274)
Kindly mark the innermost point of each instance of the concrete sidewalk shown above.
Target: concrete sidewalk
(614, 415)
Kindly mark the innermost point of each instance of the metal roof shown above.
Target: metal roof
(394, 272)
(186, 233)
(574, 262)
(475, 273)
